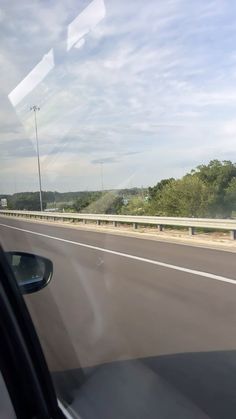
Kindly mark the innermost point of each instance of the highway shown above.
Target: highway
(150, 324)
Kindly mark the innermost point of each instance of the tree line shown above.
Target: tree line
(209, 190)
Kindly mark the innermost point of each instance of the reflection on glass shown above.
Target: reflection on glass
(36, 76)
(85, 21)
(27, 269)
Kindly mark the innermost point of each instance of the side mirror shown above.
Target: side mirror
(32, 272)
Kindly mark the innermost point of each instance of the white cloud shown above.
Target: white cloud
(153, 78)
(229, 128)
(2, 15)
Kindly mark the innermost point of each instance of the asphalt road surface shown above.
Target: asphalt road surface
(134, 328)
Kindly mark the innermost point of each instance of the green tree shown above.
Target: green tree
(230, 196)
(155, 190)
(84, 200)
(25, 201)
(136, 206)
(107, 203)
(186, 197)
(217, 176)
(29, 202)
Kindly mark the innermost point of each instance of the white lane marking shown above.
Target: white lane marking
(126, 255)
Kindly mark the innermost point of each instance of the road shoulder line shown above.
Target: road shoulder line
(180, 241)
(128, 256)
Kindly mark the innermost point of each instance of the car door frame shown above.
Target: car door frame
(22, 361)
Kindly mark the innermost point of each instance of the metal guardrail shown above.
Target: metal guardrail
(160, 222)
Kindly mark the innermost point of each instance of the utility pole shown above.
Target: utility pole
(35, 109)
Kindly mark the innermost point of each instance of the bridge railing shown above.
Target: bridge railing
(160, 222)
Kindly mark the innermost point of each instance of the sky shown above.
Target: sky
(138, 91)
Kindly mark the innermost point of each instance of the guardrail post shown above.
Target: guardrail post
(157, 222)
(191, 231)
(233, 234)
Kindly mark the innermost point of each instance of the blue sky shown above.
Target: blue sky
(147, 88)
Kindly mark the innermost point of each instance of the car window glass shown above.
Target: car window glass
(118, 163)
